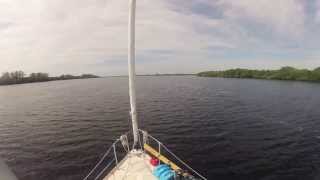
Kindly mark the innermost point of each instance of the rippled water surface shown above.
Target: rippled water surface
(225, 128)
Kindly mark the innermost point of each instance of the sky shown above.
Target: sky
(173, 36)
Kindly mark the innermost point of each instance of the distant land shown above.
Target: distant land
(157, 74)
(285, 73)
(19, 77)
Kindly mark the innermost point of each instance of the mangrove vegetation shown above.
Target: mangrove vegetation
(19, 77)
(285, 73)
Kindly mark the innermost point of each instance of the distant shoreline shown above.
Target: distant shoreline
(154, 75)
(165, 74)
(285, 73)
(18, 77)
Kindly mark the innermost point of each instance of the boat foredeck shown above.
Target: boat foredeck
(135, 166)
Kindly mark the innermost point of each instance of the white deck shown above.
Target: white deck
(135, 166)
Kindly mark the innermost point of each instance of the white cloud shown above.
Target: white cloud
(47, 34)
(317, 14)
(285, 16)
(75, 36)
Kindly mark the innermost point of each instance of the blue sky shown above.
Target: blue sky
(173, 36)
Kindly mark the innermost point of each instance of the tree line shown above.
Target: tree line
(19, 77)
(284, 73)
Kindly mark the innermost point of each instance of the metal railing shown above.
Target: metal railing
(112, 156)
(93, 172)
(162, 149)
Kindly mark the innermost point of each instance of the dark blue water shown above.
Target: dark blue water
(225, 128)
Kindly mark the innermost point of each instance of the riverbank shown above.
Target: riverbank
(18, 77)
(285, 73)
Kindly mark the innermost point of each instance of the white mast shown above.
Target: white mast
(132, 73)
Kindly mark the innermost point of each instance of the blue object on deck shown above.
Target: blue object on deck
(164, 172)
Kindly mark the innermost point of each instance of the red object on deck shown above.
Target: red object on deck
(154, 161)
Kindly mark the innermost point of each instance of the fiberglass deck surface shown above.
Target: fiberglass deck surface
(135, 166)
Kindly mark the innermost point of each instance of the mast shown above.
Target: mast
(132, 73)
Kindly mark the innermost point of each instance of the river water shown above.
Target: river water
(224, 128)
